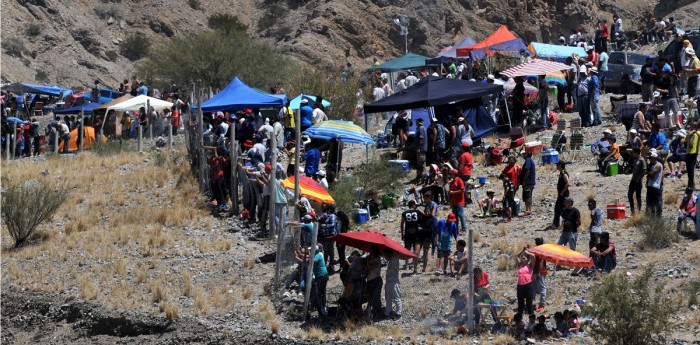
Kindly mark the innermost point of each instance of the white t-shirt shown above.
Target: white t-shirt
(410, 80)
(279, 133)
(661, 25)
(378, 94)
(401, 85)
(618, 24)
(319, 116)
(266, 130)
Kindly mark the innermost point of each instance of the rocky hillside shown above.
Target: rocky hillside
(73, 42)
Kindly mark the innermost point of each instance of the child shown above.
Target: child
(508, 197)
(445, 234)
(532, 321)
(574, 324)
(488, 205)
(540, 329)
(517, 328)
(460, 305)
(561, 329)
(392, 289)
(686, 210)
(459, 259)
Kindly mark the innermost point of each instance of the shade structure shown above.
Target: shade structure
(310, 189)
(346, 131)
(402, 63)
(104, 107)
(87, 141)
(562, 256)
(87, 108)
(529, 88)
(137, 102)
(15, 119)
(555, 52)
(556, 78)
(535, 67)
(510, 48)
(433, 91)
(295, 103)
(364, 240)
(501, 35)
(237, 95)
(22, 88)
(450, 52)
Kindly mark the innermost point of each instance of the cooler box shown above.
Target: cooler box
(533, 147)
(496, 156)
(516, 207)
(401, 164)
(360, 216)
(550, 156)
(616, 211)
(612, 169)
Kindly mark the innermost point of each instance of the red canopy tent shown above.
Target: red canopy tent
(499, 36)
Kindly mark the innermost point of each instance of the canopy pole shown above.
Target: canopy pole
(337, 159)
(507, 110)
(271, 189)
(366, 147)
(140, 134)
(7, 146)
(151, 119)
(309, 270)
(470, 270)
(297, 158)
(200, 140)
(81, 129)
(234, 169)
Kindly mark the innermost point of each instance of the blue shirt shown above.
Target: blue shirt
(656, 140)
(143, 90)
(446, 232)
(319, 266)
(312, 158)
(421, 134)
(530, 165)
(330, 222)
(307, 116)
(593, 86)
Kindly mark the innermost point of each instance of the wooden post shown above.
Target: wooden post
(296, 157)
(55, 142)
(140, 134)
(170, 132)
(150, 118)
(200, 139)
(273, 186)
(7, 146)
(470, 284)
(309, 269)
(234, 170)
(81, 130)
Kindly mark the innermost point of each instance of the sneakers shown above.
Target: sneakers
(507, 220)
(439, 271)
(539, 309)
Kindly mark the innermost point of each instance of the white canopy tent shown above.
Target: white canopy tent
(137, 102)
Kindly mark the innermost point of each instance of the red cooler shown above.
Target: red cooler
(534, 147)
(616, 211)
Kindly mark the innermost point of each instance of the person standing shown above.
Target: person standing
(668, 87)
(649, 75)
(466, 163)
(411, 220)
(420, 147)
(457, 189)
(319, 282)
(594, 94)
(603, 69)
(518, 95)
(392, 287)
(539, 273)
(584, 105)
(328, 227)
(639, 167)
(312, 157)
(528, 180)
(374, 284)
(654, 191)
(692, 139)
(563, 184)
(572, 220)
(692, 71)
(526, 264)
(543, 98)
(64, 133)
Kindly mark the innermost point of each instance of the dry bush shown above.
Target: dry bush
(275, 326)
(141, 274)
(121, 266)
(349, 326)
(223, 246)
(423, 312)
(502, 230)
(634, 221)
(201, 303)
(657, 233)
(476, 236)
(503, 339)
(172, 311)
(692, 288)
(247, 292)
(591, 195)
(315, 333)
(75, 226)
(186, 283)
(503, 263)
(370, 333)
(88, 290)
(266, 312)
(159, 291)
(670, 199)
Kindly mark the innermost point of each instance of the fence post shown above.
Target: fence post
(234, 169)
(81, 130)
(170, 132)
(140, 135)
(309, 270)
(296, 157)
(273, 186)
(200, 139)
(7, 146)
(55, 142)
(151, 120)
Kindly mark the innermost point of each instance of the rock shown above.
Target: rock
(122, 24)
(110, 21)
(115, 41)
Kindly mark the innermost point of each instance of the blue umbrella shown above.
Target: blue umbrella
(345, 131)
(14, 119)
(296, 102)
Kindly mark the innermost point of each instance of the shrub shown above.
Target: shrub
(194, 4)
(341, 93)
(34, 29)
(14, 46)
(271, 16)
(104, 11)
(41, 76)
(112, 55)
(693, 289)
(226, 23)
(631, 310)
(135, 47)
(657, 232)
(375, 175)
(26, 206)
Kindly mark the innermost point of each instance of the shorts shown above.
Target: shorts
(423, 237)
(602, 75)
(420, 159)
(527, 193)
(509, 200)
(444, 253)
(676, 158)
(409, 241)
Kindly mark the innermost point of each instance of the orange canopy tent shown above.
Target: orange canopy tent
(499, 36)
(87, 141)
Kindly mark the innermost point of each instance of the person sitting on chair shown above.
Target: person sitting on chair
(601, 147)
(686, 210)
(633, 141)
(677, 154)
(612, 156)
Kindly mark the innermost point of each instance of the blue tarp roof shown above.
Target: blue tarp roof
(21, 88)
(402, 63)
(509, 48)
(295, 103)
(237, 95)
(433, 91)
(551, 51)
(88, 108)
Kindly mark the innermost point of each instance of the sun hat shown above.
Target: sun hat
(593, 70)
(690, 51)
(607, 131)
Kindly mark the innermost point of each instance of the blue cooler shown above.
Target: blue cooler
(550, 156)
(401, 164)
(361, 216)
(516, 207)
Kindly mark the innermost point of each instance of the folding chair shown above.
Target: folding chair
(39, 109)
(576, 139)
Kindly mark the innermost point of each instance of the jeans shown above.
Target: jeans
(647, 91)
(524, 293)
(606, 263)
(691, 161)
(568, 237)
(584, 110)
(328, 251)
(595, 108)
(459, 212)
(558, 208)
(374, 289)
(539, 287)
(66, 139)
(635, 188)
(654, 201)
(682, 218)
(392, 296)
(318, 293)
(670, 111)
(543, 112)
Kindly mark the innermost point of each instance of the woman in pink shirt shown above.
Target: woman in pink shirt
(526, 263)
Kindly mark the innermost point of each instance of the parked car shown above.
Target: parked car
(623, 72)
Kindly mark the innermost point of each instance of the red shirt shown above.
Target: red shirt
(604, 32)
(481, 282)
(466, 162)
(457, 199)
(513, 172)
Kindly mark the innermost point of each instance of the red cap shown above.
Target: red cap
(248, 111)
(268, 167)
(465, 144)
(248, 144)
(451, 217)
(454, 171)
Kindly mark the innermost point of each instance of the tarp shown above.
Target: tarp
(510, 48)
(113, 102)
(450, 52)
(433, 91)
(137, 102)
(237, 95)
(88, 108)
(555, 52)
(295, 103)
(499, 36)
(402, 63)
(87, 142)
(535, 67)
(22, 88)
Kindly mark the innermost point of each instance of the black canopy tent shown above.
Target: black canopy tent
(433, 91)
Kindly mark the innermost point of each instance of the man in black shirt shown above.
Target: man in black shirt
(572, 220)
(411, 220)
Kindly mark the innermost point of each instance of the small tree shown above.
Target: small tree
(135, 47)
(657, 233)
(26, 206)
(376, 175)
(631, 311)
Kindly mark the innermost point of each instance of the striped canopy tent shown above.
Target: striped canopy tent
(310, 189)
(562, 256)
(344, 131)
(535, 67)
(529, 88)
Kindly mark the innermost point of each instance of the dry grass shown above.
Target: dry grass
(88, 290)
(502, 230)
(247, 292)
(201, 303)
(503, 263)
(476, 236)
(274, 326)
(172, 311)
(186, 283)
(671, 198)
(121, 266)
(634, 221)
(370, 333)
(141, 274)
(159, 291)
(315, 333)
(503, 339)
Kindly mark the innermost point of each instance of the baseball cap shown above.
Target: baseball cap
(654, 155)
(465, 144)
(490, 77)
(589, 48)
(451, 217)
(321, 173)
(308, 217)
(633, 131)
(667, 68)
(593, 70)
(607, 131)
(304, 101)
(681, 133)
(248, 111)
(650, 57)
(434, 119)
(268, 167)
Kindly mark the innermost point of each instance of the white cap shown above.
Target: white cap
(633, 131)
(304, 101)
(654, 155)
(607, 131)
(681, 133)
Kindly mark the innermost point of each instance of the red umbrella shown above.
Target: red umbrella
(364, 240)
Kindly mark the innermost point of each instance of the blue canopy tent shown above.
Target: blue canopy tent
(22, 88)
(451, 53)
(295, 103)
(237, 95)
(87, 107)
(554, 52)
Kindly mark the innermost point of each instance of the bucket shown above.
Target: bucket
(482, 180)
(616, 211)
(496, 157)
(388, 200)
(550, 156)
(360, 216)
(612, 169)
(401, 164)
